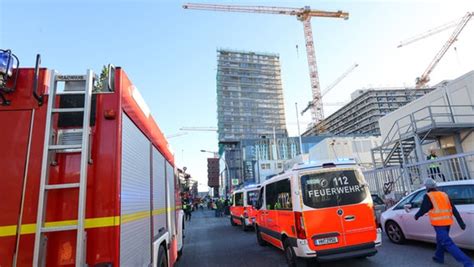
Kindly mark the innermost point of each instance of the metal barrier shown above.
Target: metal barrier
(396, 181)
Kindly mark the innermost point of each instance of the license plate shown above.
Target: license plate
(326, 241)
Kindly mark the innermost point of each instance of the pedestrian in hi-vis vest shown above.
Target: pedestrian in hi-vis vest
(441, 212)
(434, 167)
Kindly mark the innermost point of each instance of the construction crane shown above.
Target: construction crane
(425, 77)
(176, 135)
(199, 129)
(302, 14)
(429, 32)
(330, 87)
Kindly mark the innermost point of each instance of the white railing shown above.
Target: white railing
(397, 181)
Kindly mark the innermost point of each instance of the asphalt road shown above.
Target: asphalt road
(213, 241)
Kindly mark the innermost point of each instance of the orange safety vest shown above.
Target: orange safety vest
(442, 213)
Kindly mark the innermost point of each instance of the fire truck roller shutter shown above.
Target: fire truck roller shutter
(159, 194)
(135, 225)
(171, 193)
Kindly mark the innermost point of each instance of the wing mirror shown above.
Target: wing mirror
(407, 207)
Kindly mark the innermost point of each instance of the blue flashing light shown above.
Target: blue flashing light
(6, 58)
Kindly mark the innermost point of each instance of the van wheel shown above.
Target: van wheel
(244, 227)
(162, 258)
(260, 240)
(290, 255)
(394, 232)
(232, 221)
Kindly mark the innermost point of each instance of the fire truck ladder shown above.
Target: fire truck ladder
(73, 85)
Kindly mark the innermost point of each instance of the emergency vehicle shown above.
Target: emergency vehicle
(242, 211)
(87, 176)
(318, 211)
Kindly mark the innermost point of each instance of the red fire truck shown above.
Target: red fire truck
(86, 175)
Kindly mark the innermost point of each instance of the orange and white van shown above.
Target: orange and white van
(320, 211)
(242, 211)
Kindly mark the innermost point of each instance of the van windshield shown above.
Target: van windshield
(332, 188)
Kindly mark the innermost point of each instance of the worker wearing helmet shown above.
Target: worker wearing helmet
(441, 212)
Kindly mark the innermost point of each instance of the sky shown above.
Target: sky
(170, 53)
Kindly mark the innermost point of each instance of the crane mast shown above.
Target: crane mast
(302, 14)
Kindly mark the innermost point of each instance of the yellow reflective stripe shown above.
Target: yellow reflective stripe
(159, 211)
(7, 230)
(10, 230)
(102, 222)
(441, 218)
(441, 211)
(126, 218)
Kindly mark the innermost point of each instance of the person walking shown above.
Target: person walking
(441, 211)
(187, 210)
(434, 167)
(220, 207)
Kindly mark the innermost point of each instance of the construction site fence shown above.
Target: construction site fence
(394, 182)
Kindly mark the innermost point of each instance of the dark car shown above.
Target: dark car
(379, 206)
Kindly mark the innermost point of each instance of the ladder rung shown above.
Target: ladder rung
(63, 110)
(62, 186)
(62, 147)
(58, 228)
(70, 93)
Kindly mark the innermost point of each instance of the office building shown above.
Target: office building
(361, 115)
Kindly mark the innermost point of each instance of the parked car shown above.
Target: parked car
(399, 221)
(379, 207)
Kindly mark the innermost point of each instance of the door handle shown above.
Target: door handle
(350, 218)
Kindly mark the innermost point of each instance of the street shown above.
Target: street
(213, 241)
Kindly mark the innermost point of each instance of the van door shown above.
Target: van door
(357, 215)
(261, 212)
(238, 207)
(322, 223)
(271, 216)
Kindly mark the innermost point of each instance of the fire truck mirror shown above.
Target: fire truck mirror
(111, 77)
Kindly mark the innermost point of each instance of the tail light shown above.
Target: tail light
(299, 223)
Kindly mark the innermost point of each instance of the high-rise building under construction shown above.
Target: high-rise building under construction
(249, 95)
(249, 102)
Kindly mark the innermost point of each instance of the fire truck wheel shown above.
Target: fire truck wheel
(162, 258)
(232, 221)
(260, 240)
(244, 227)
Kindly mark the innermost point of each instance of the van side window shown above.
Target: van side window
(270, 196)
(284, 195)
(278, 195)
(260, 199)
(239, 199)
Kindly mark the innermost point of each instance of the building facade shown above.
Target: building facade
(249, 95)
(261, 158)
(249, 103)
(361, 115)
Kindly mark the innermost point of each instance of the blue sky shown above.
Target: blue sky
(170, 53)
